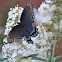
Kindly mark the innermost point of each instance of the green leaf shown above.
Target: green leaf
(24, 58)
(57, 57)
(33, 55)
(48, 52)
(37, 58)
(3, 59)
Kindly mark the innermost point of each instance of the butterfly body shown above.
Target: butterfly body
(25, 27)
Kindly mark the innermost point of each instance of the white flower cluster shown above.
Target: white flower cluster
(46, 12)
(50, 1)
(15, 51)
(13, 17)
(40, 46)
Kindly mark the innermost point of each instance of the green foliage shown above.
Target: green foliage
(3, 59)
(48, 55)
(56, 19)
(37, 58)
(33, 56)
(58, 2)
(57, 57)
(58, 13)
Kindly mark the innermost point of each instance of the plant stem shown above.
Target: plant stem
(53, 50)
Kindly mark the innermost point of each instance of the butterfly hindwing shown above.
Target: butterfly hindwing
(34, 32)
(17, 32)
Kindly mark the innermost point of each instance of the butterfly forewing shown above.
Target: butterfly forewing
(26, 17)
(27, 14)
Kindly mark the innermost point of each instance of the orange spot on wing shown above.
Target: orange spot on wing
(9, 39)
(14, 38)
(29, 5)
(30, 9)
(24, 37)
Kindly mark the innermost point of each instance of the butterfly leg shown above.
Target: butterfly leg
(34, 32)
(29, 40)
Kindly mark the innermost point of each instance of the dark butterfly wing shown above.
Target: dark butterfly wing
(25, 27)
(34, 32)
(27, 14)
(17, 33)
(27, 20)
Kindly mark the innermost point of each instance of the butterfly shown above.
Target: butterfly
(24, 29)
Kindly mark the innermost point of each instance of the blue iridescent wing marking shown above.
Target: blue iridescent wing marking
(34, 32)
